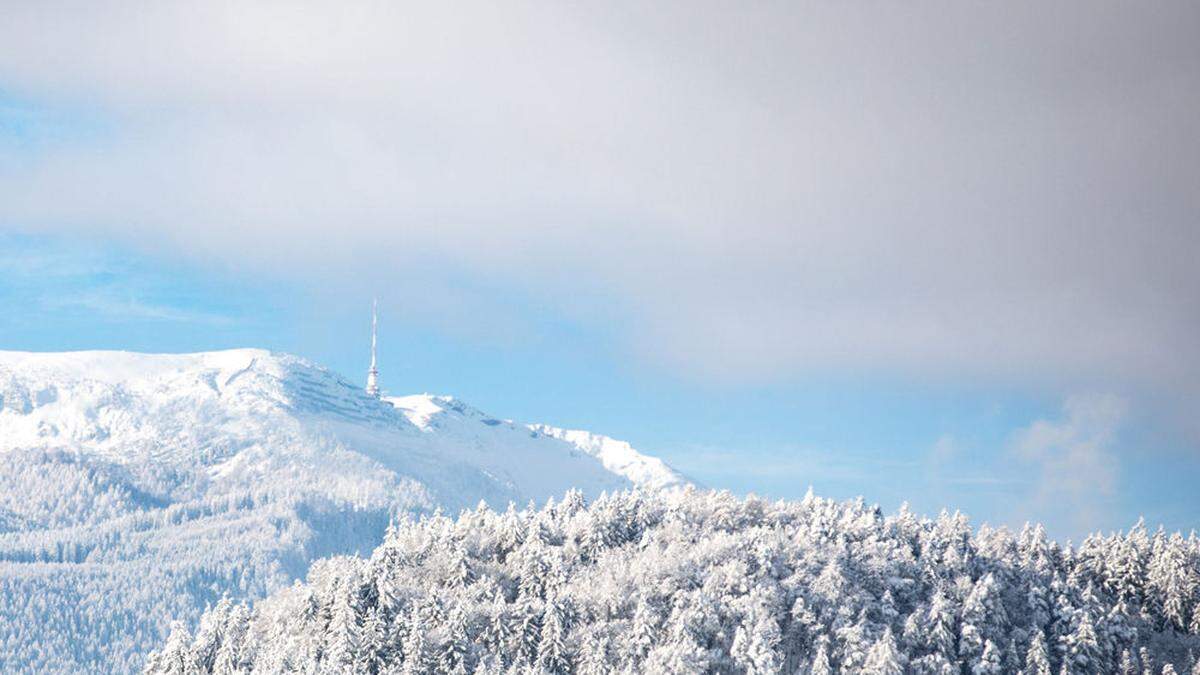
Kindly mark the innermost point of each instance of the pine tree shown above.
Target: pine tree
(1126, 569)
(820, 662)
(228, 659)
(990, 661)
(414, 649)
(645, 630)
(854, 643)
(594, 658)
(500, 633)
(984, 619)
(1013, 659)
(1173, 581)
(1037, 659)
(372, 648)
(1146, 660)
(209, 635)
(1127, 666)
(460, 572)
(971, 644)
(342, 636)
(534, 569)
(677, 658)
(1085, 652)
(800, 634)
(175, 657)
(552, 644)
(453, 657)
(942, 626)
(488, 665)
(756, 645)
(884, 658)
(528, 633)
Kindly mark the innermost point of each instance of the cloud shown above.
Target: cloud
(945, 450)
(733, 192)
(112, 305)
(1074, 459)
(48, 279)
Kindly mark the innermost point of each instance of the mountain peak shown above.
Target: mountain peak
(227, 411)
(161, 482)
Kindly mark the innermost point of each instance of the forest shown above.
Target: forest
(697, 581)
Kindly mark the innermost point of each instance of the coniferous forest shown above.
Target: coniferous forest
(705, 582)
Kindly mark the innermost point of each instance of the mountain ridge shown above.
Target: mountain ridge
(142, 487)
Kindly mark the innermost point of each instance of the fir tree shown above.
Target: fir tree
(1085, 652)
(594, 658)
(1127, 666)
(884, 658)
(820, 662)
(990, 661)
(414, 650)
(553, 654)
(342, 636)
(1037, 659)
(372, 648)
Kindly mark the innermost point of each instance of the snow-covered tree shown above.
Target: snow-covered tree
(702, 582)
(1037, 658)
(820, 661)
(884, 658)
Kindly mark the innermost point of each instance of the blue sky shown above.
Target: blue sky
(942, 255)
(936, 445)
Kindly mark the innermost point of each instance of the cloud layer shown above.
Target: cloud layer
(751, 191)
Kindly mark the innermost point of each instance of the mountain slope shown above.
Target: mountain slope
(138, 487)
(533, 454)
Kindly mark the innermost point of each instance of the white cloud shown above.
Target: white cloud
(945, 449)
(743, 191)
(1074, 458)
(110, 304)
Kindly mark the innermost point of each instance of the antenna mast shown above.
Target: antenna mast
(373, 371)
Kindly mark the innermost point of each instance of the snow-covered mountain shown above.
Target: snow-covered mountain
(138, 487)
(451, 422)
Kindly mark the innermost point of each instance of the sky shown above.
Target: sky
(939, 253)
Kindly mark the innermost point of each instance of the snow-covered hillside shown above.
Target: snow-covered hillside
(702, 582)
(137, 487)
(450, 422)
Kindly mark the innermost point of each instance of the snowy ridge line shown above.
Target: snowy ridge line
(139, 488)
(450, 415)
(619, 457)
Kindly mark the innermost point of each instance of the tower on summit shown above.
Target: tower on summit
(373, 371)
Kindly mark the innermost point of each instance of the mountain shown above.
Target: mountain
(137, 488)
(690, 582)
(532, 453)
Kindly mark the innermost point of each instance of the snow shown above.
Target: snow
(619, 457)
(693, 581)
(242, 413)
(228, 472)
(531, 456)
